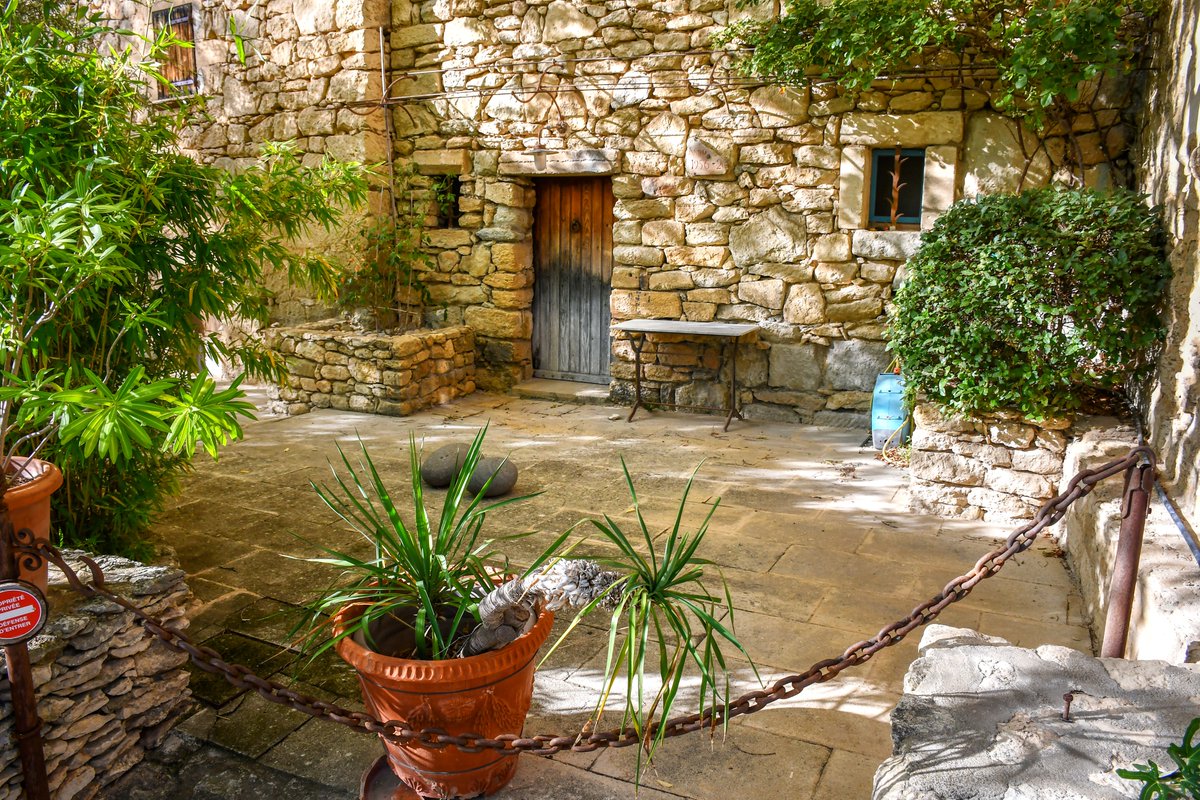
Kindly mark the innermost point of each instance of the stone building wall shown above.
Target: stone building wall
(376, 373)
(1167, 154)
(995, 467)
(107, 691)
(733, 201)
(306, 60)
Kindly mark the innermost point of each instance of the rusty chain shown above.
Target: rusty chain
(209, 660)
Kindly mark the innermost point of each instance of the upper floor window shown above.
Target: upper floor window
(896, 193)
(179, 62)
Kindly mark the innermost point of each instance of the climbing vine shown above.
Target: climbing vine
(1033, 54)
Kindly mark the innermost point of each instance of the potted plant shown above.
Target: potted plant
(443, 632)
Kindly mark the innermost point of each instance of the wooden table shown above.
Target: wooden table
(731, 332)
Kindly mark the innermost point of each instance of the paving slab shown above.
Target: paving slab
(811, 532)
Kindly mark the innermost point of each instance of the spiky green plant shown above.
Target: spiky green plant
(665, 616)
(432, 572)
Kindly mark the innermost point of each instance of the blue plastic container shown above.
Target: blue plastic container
(888, 413)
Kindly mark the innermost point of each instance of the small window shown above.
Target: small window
(179, 64)
(447, 189)
(896, 198)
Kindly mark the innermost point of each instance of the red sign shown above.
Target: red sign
(22, 612)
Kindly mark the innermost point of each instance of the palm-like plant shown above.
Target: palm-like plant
(426, 574)
(665, 617)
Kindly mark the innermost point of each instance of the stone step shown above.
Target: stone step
(589, 394)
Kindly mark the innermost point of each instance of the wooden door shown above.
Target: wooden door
(572, 241)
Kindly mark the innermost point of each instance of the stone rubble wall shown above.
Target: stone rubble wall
(995, 467)
(734, 201)
(1168, 170)
(1164, 625)
(305, 60)
(371, 372)
(981, 718)
(107, 690)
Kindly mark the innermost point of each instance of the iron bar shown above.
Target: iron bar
(27, 725)
(1139, 480)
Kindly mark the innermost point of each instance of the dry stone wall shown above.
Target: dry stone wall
(1168, 167)
(107, 691)
(734, 201)
(329, 367)
(995, 467)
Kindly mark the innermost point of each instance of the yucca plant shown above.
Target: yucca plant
(426, 574)
(667, 617)
(438, 582)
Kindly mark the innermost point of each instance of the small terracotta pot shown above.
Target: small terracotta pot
(29, 506)
(488, 694)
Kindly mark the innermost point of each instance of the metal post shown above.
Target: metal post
(27, 726)
(731, 349)
(1134, 505)
(637, 341)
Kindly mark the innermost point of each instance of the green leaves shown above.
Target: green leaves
(1041, 50)
(665, 617)
(1032, 301)
(1181, 784)
(428, 573)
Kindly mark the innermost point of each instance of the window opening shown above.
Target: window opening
(896, 197)
(447, 189)
(179, 64)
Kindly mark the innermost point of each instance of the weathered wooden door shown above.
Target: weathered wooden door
(572, 241)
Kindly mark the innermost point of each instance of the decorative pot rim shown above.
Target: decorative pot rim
(40, 486)
(451, 674)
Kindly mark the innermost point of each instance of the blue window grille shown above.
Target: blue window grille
(912, 185)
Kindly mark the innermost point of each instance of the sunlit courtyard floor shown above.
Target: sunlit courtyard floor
(812, 535)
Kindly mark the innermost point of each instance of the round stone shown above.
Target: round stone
(442, 465)
(503, 482)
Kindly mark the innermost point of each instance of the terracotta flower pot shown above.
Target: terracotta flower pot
(29, 505)
(488, 694)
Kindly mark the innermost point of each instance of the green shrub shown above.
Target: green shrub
(115, 250)
(1032, 302)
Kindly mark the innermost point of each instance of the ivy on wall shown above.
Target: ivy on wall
(1034, 53)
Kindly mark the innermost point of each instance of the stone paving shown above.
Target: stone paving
(812, 534)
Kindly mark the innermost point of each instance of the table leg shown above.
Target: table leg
(637, 342)
(732, 351)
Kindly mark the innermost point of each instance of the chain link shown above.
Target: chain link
(398, 732)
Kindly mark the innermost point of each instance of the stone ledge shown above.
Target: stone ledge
(980, 718)
(1166, 625)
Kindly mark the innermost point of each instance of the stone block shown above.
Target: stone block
(566, 21)
(645, 305)
(852, 188)
(993, 159)
(708, 156)
(560, 162)
(773, 235)
(831, 247)
(890, 245)
(1011, 434)
(638, 256)
(666, 133)
(499, 323)
(671, 279)
(768, 293)
(512, 256)
(464, 31)
(919, 129)
(805, 305)
(779, 107)
(947, 468)
(662, 233)
(1024, 484)
(795, 366)
(853, 364)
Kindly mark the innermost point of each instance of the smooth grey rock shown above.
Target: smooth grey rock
(981, 718)
(442, 465)
(505, 476)
(853, 364)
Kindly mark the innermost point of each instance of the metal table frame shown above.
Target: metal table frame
(731, 332)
